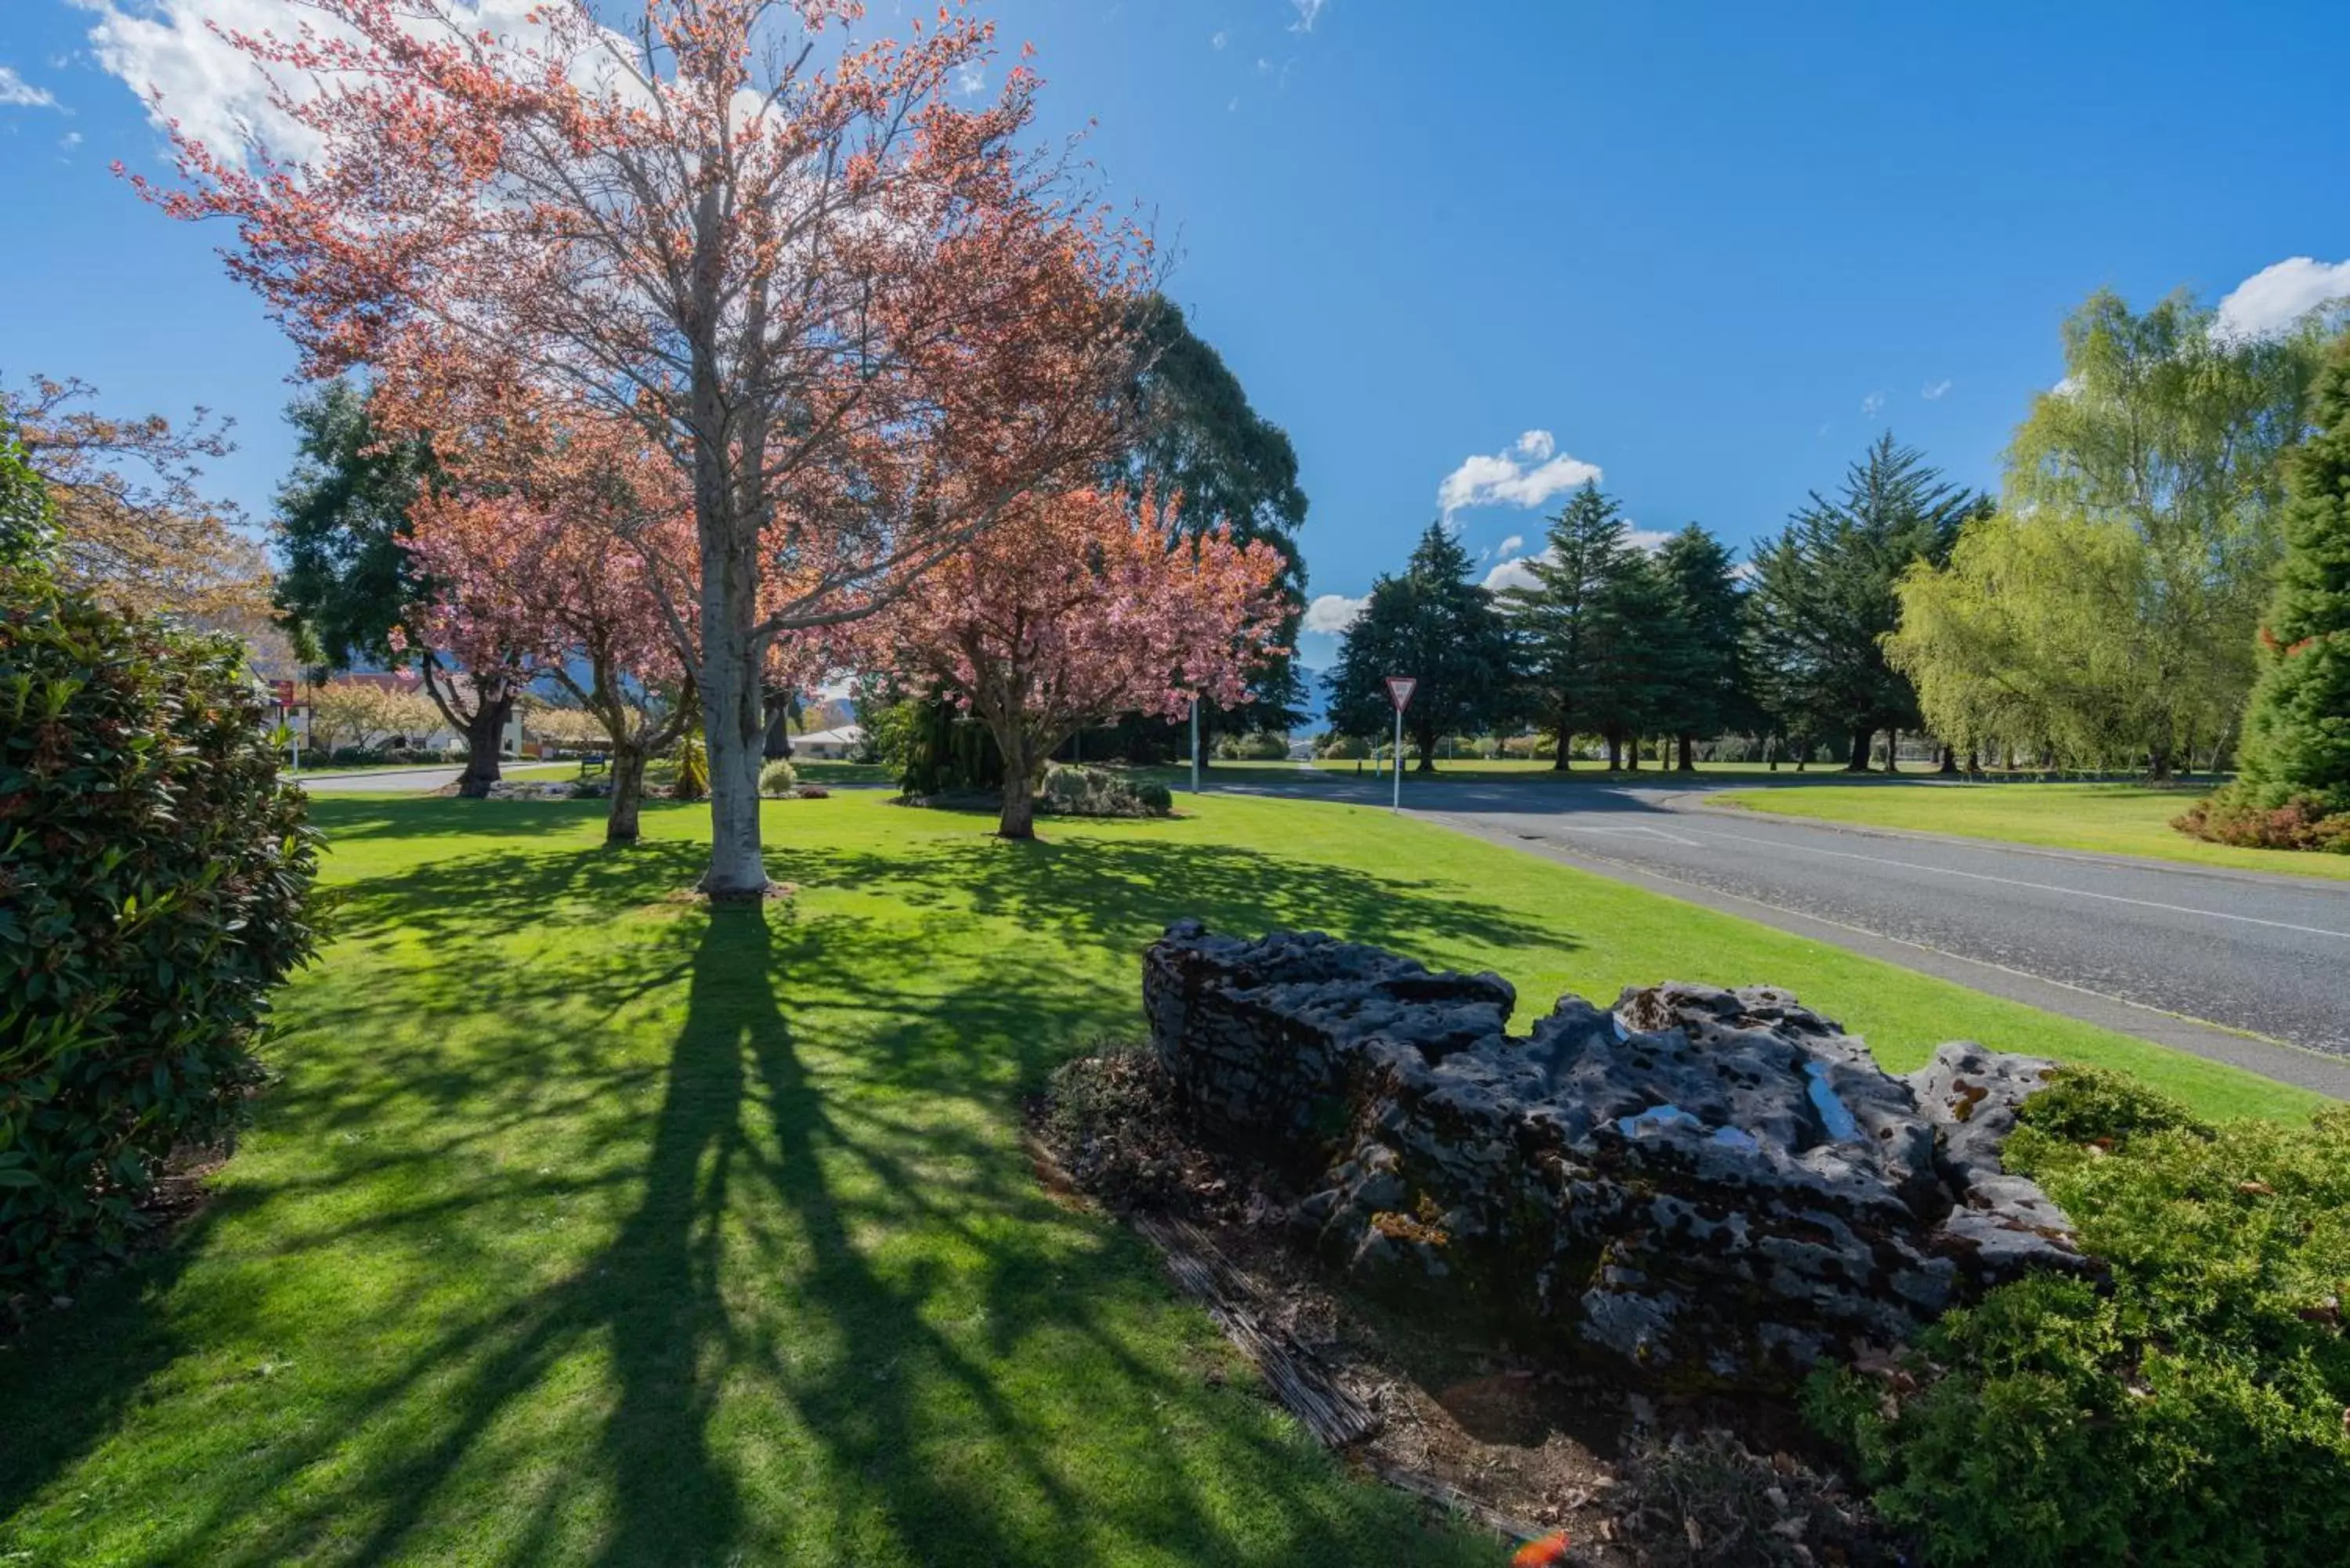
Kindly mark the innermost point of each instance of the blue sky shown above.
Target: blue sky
(1711, 250)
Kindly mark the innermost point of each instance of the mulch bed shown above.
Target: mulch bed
(1524, 1442)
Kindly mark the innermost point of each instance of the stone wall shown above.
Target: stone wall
(1721, 1187)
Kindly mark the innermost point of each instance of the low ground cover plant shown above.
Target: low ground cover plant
(2193, 1407)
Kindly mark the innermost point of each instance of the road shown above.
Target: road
(412, 780)
(2157, 951)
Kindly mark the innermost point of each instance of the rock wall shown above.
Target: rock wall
(1722, 1186)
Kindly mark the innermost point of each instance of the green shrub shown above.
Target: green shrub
(2190, 1409)
(153, 876)
(2096, 1106)
(693, 779)
(1258, 747)
(778, 777)
(1344, 748)
(1073, 789)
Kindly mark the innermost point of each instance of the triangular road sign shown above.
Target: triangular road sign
(1399, 691)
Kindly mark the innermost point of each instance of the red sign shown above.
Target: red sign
(1399, 691)
(282, 693)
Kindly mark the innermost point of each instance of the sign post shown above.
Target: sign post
(1399, 691)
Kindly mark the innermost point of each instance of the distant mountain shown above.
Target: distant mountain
(1316, 702)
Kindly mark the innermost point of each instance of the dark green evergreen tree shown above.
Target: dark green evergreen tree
(342, 519)
(1824, 596)
(1219, 460)
(1708, 693)
(1633, 661)
(1435, 623)
(2297, 725)
(1557, 619)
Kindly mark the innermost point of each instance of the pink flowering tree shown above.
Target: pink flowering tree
(560, 543)
(778, 244)
(1076, 611)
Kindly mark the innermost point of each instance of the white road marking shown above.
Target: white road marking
(1637, 828)
(1982, 877)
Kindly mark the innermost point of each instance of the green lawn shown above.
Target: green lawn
(588, 1226)
(822, 770)
(2114, 819)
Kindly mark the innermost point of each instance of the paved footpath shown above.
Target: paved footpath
(2191, 956)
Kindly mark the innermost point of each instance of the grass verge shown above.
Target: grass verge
(2104, 818)
(588, 1226)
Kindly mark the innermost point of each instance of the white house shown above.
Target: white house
(830, 745)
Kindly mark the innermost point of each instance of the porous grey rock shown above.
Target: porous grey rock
(1719, 1186)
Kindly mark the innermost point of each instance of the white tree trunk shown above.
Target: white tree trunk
(732, 730)
(734, 721)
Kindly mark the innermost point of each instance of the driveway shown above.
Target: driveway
(2162, 951)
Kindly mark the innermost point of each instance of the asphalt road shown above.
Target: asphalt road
(2157, 951)
(399, 780)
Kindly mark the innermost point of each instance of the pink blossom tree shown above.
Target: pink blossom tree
(785, 252)
(1075, 611)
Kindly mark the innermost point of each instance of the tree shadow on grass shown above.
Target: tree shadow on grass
(1112, 892)
(834, 1319)
(863, 1304)
(354, 820)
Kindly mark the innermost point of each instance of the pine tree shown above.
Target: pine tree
(1557, 619)
(1634, 657)
(2297, 726)
(1707, 611)
(1434, 623)
(1824, 594)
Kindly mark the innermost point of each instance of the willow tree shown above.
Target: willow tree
(2030, 636)
(2163, 444)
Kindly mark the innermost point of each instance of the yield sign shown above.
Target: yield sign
(1399, 691)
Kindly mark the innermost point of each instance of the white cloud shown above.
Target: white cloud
(1519, 573)
(1332, 613)
(216, 93)
(1872, 405)
(1513, 544)
(970, 80)
(1307, 10)
(1932, 392)
(1514, 573)
(2277, 296)
(1218, 40)
(15, 92)
(1526, 475)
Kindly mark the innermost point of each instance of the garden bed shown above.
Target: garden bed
(1526, 1443)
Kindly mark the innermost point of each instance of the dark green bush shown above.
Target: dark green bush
(2191, 1409)
(153, 876)
(1071, 790)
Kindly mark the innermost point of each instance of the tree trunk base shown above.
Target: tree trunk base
(732, 896)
